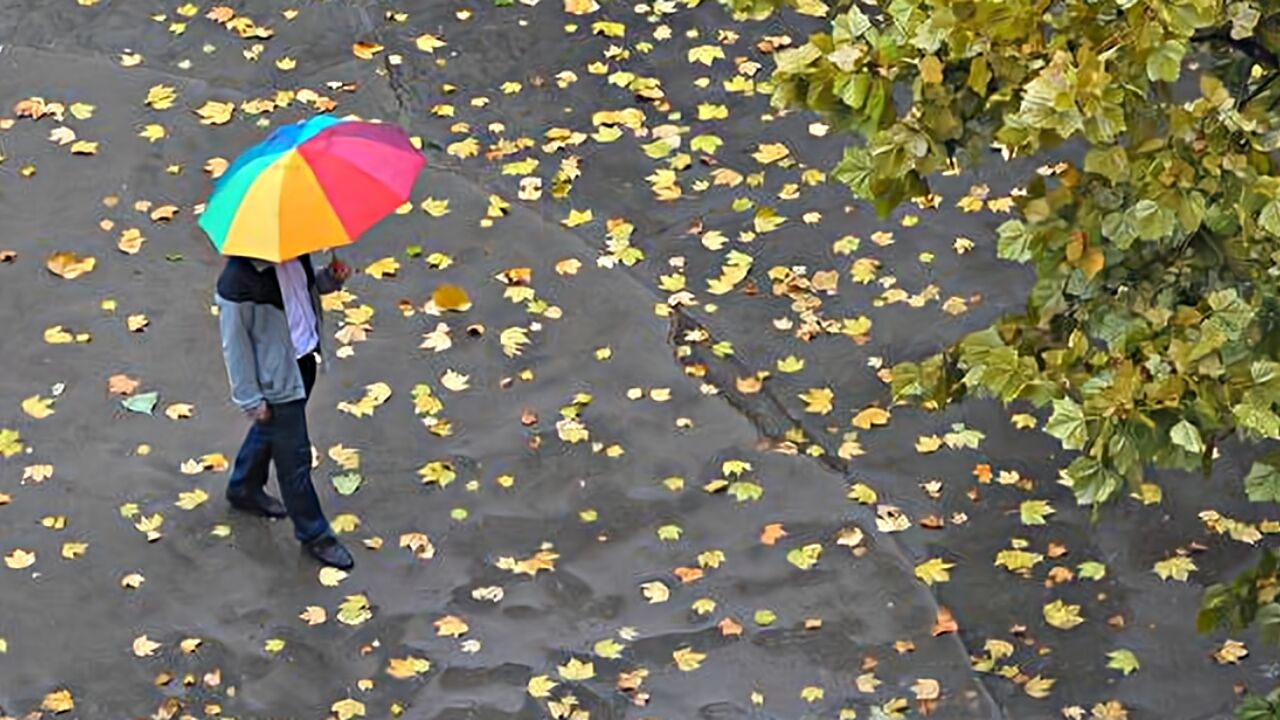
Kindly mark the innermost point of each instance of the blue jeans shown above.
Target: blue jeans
(283, 439)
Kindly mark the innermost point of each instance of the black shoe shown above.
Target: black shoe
(332, 553)
(263, 505)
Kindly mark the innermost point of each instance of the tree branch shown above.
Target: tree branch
(1248, 46)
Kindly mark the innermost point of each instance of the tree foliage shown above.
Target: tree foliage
(1153, 327)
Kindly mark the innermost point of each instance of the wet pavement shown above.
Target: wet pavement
(680, 436)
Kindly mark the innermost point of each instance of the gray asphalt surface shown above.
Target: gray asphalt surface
(69, 624)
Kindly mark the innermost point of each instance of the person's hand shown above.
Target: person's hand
(339, 270)
(259, 414)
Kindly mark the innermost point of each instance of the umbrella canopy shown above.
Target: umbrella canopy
(316, 184)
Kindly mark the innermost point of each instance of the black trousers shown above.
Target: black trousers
(283, 439)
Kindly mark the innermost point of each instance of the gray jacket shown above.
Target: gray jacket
(256, 343)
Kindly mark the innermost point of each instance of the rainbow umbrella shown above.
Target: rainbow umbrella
(316, 184)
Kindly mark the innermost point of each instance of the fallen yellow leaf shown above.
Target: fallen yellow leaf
(68, 265)
(215, 113)
(38, 407)
(144, 646)
(451, 297)
(20, 559)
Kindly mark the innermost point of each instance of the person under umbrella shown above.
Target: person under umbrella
(312, 185)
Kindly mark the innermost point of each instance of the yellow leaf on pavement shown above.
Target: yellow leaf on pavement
(153, 132)
(655, 592)
(406, 668)
(215, 113)
(331, 576)
(705, 54)
(934, 570)
(1231, 652)
(1039, 687)
(313, 615)
(347, 458)
(69, 266)
(144, 646)
(159, 97)
(178, 411)
(576, 670)
(770, 152)
(20, 559)
(437, 208)
(687, 659)
(818, 400)
(38, 407)
(191, 499)
(577, 217)
(73, 550)
(1062, 615)
(1178, 567)
(347, 709)
(382, 268)
(540, 686)
(869, 417)
(451, 297)
(580, 7)
(427, 42)
(36, 473)
(58, 701)
(375, 395)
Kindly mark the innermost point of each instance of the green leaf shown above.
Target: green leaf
(792, 60)
(805, 557)
(144, 403)
(849, 26)
(1268, 620)
(1165, 61)
(963, 437)
(706, 144)
(1269, 218)
(1067, 423)
(1123, 660)
(1092, 482)
(743, 491)
(1091, 570)
(765, 618)
(670, 533)
(347, 483)
(1186, 436)
(10, 443)
(1151, 221)
(1034, 512)
(1111, 163)
(1262, 484)
(1014, 241)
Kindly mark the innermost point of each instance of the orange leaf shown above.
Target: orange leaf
(221, 14)
(772, 533)
(121, 384)
(945, 623)
(365, 50)
(688, 574)
(729, 628)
